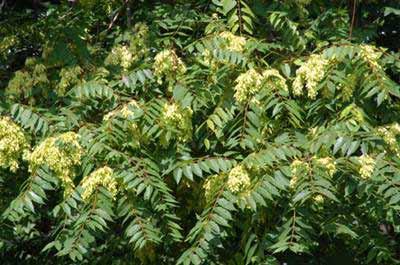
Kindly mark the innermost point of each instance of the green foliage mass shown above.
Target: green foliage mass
(199, 132)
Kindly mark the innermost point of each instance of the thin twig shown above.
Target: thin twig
(353, 18)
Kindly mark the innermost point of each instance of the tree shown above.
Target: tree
(199, 132)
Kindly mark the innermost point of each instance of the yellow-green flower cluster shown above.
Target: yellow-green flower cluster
(69, 77)
(367, 166)
(247, 85)
(298, 168)
(389, 135)
(370, 55)
(319, 199)
(127, 111)
(60, 154)
(178, 120)
(100, 177)
(328, 164)
(12, 144)
(120, 55)
(168, 65)
(24, 80)
(233, 42)
(310, 75)
(273, 78)
(230, 42)
(6, 43)
(125, 55)
(238, 179)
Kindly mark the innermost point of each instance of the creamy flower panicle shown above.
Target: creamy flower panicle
(309, 75)
(168, 65)
(367, 166)
(251, 82)
(319, 199)
(230, 42)
(120, 55)
(328, 164)
(247, 85)
(60, 154)
(69, 77)
(179, 119)
(12, 144)
(134, 48)
(238, 179)
(297, 168)
(389, 135)
(100, 177)
(371, 55)
(233, 42)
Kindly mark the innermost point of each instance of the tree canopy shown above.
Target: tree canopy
(200, 132)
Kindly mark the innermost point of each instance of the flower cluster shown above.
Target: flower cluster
(310, 75)
(370, 55)
(178, 120)
(68, 77)
(238, 179)
(318, 199)
(100, 177)
(367, 166)
(232, 42)
(389, 135)
(297, 168)
(133, 49)
(273, 78)
(60, 154)
(12, 144)
(247, 85)
(24, 80)
(168, 65)
(120, 55)
(128, 111)
(6, 43)
(128, 114)
(328, 164)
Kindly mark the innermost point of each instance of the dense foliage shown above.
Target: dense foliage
(199, 132)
